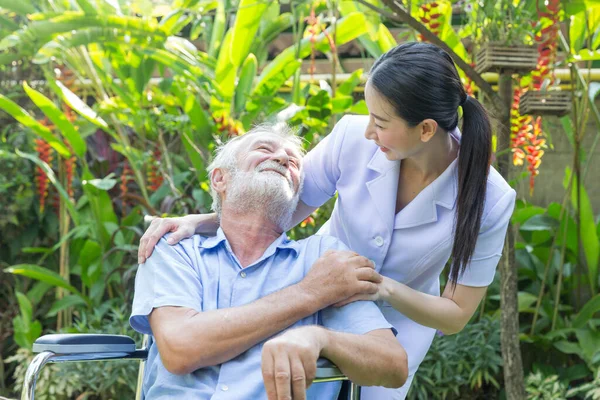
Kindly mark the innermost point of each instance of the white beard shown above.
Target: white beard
(265, 192)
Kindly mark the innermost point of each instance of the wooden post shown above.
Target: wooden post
(511, 352)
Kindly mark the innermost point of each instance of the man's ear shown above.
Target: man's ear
(219, 179)
(428, 129)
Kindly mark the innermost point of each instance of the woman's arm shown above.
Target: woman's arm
(448, 313)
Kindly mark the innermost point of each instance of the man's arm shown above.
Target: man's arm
(373, 359)
(188, 340)
(289, 361)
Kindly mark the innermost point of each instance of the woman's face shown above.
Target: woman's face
(392, 134)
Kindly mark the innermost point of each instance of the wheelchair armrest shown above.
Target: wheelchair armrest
(327, 371)
(84, 343)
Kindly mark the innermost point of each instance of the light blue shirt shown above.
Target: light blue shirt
(411, 246)
(203, 274)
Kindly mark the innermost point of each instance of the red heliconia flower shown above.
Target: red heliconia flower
(431, 18)
(155, 179)
(41, 179)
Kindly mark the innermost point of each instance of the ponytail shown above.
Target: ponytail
(473, 169)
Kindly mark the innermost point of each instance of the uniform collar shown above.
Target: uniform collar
(423, 209)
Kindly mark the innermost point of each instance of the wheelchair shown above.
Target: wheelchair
(94, 347)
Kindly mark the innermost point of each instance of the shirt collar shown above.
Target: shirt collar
(282, 242)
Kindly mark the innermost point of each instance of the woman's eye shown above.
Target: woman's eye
(378, 126)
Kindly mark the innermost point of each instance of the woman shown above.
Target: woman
(411, 194)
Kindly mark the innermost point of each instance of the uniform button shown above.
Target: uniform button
(224, 388)
(379, 241)
(243, 274)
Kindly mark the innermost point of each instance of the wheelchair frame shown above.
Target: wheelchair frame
(94, 347)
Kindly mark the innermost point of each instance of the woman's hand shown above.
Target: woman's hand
(380, 294)
(182, 227)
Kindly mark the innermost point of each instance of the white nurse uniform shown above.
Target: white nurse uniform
(412, 246)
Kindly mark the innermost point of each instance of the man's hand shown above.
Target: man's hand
(182, 227)
(339, 275)
(289, 362)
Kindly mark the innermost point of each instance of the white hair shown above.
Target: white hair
(226, 155)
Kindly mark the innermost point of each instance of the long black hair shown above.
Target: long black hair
(421, 82)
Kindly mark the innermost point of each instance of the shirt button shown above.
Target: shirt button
(243, 274)
(379, 241)
(224, 388)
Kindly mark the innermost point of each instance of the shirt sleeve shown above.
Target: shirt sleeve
(490, 243)
(321, 167)
(167, 278)
(359, 317)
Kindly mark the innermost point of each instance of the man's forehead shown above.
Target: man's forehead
(270, 138)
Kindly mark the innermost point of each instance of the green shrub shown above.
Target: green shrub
(461, 366)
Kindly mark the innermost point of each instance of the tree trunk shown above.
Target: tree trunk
(511, 352)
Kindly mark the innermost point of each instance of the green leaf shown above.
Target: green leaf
(585, 55)
(526, 300)
(568, 347)
(587, 228)
(245, 27)
(567, 125)
(52, 177)
(270, 31)
(385, 39)
(360, 108)
(86, 7)
(225, 71)
(245, 81)
(37, 292)
(79, 106)
(171, 24)
(522, 214)
(91, 254)
(341, 104)
(196, 29)
(218, 29)
(20, 7)
(65, 302)
(587, 312)
(25, 307)
(347, 87)
(106, 183)
(540, 222)
(44, 275)
(58, 118)
(27, 120)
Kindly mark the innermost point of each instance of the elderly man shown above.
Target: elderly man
(215, 305)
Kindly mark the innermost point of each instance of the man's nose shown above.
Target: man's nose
(281, 157)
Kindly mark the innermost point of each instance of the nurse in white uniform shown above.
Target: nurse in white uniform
(412, 193)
